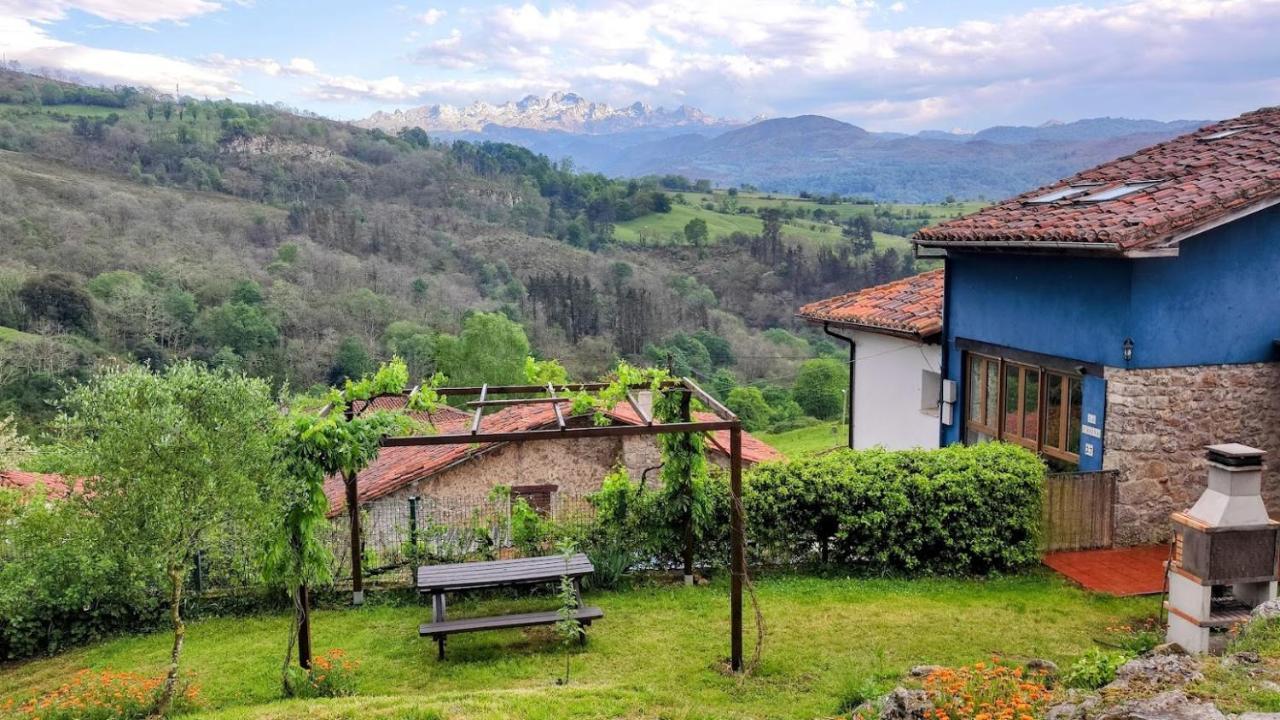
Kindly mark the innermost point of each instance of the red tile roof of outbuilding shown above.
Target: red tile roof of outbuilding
(399, 466)
(911, 306)
(1203, 178)
(54, 485)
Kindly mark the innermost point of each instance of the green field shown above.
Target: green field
(808, 440)
(9, 335)
(668, 228)
(657, 653)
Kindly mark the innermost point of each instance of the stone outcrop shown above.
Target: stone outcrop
(1169, 705)
(1160, 419)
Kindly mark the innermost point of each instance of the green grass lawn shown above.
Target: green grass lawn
(657, 653)
(807, 440)
(10, 335)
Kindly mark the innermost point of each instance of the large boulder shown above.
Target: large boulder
(1266, 611)
(1155, 672)
(1169, 705)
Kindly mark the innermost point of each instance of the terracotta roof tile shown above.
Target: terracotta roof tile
(55, 485)
(910, 306)
(1201, 180)
(397, 467)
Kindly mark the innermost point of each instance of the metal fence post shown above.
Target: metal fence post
(413, 523)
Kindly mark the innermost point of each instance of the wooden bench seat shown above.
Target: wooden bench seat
(438, 631)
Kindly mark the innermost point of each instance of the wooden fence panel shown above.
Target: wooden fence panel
(1079, 510)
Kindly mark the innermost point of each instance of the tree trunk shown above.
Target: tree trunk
(164, 703)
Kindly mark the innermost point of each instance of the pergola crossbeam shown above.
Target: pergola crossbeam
(475, 421)
(556, 406)
(645, 417)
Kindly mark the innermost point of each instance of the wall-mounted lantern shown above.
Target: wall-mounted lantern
(1128, 349)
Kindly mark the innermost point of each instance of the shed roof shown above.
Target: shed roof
(1199, 180)
(54, 485)
(398, 466)
(909, 307)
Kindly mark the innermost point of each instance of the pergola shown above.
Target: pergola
(488, 396)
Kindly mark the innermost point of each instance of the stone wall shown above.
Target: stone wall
(1158, 422)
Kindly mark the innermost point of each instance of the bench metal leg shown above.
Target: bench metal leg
(440, 639)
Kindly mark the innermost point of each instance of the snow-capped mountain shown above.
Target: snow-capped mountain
(564, 111)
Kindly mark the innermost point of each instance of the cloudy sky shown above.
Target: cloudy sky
(885, 65)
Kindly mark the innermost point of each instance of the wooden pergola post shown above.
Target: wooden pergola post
(304, 628)
(351, 481)
(738, 555)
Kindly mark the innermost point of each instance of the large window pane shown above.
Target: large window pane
(974, 389)
(1012, 424)
(993, 394)
(1053, 411)
(1031, 405)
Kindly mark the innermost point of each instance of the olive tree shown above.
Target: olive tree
(171, 461)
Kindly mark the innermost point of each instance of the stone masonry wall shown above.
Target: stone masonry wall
(1158, 422)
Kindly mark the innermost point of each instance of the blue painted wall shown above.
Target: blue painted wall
(1217, 302)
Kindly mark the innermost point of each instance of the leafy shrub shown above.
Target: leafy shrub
(954, 510)
(332, 674)
(96, 593)
(103, 695)
(634, 524)
(990, 691)
(1137, 637)
(1094, 669)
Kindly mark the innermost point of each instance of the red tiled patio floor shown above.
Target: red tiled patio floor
(1120, 571)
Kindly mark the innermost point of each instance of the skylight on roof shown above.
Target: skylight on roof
(1118, 191)
(1063, 193)
(1226, 133)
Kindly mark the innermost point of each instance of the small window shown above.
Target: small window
(1118, 191)
(538, 496)
(930, 391)
(1063, 193)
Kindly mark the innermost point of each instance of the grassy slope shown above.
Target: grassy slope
(658, 228)
(9, 335)
(654, 655)
(807, 441)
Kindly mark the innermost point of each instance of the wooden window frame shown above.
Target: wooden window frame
(971, 423)
(997, 429)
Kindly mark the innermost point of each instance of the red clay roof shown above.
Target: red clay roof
(397, 467)
(55, 485)
(910, 306)
(1203, 181)
(754, 450)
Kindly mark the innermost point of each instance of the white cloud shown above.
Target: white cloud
(122, 11)
(747, 56)
(31, 45)
(431, 17)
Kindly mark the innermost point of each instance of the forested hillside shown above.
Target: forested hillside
(142, 227)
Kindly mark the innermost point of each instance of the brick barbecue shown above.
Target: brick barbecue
(1225, 553)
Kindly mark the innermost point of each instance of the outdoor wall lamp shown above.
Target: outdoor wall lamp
(1128, 349)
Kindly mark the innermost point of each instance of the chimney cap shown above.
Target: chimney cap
(1234, 455)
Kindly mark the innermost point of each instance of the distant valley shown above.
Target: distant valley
(806, 153)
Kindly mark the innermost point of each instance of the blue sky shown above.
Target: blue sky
(884, 65)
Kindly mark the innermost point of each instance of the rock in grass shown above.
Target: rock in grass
(1170, 705)
(1157, 671)
(1048, 667)
(1169, 648)
(1266, 611)
(904, 704)
(920, 671)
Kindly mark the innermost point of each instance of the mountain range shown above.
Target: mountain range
(806, 153)
(568, 112)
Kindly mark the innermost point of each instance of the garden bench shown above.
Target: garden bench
(437, 580)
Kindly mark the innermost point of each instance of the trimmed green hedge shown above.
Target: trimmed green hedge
(955, 510)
